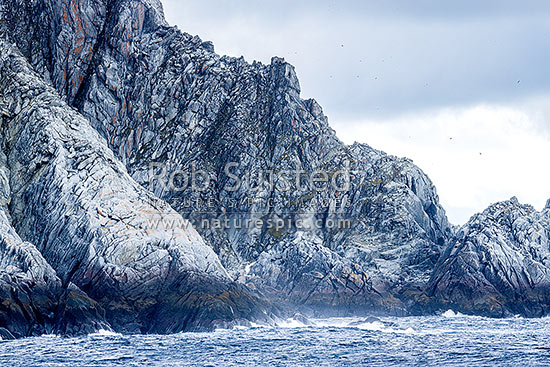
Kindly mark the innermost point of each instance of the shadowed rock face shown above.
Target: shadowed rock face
(90, 220)
(33, 299)
(161, 96)
(498, 264)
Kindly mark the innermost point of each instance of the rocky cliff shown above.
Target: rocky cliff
(71, 198)
(153, 173)
(498, 264)
(160, 96)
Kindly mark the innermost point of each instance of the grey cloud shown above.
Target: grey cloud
(281, 10)
(380, 58)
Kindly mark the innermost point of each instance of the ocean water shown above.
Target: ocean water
(447, 340)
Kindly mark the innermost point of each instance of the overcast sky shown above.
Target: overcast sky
(461, 88)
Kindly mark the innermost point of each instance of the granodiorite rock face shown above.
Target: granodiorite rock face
(105, 189)
(498, 264)
(34, 301)
(160, 96)
(74, 201)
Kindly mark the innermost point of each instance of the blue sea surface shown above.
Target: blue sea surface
(447, 340)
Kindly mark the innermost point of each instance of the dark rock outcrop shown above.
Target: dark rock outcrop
(33, 300)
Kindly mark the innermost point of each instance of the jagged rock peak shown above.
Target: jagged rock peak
(497, 264)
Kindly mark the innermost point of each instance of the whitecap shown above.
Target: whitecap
(451, 313)
(254, 325)
(374, 326)
(241, 327)
(290, 323)
(50, 336)
(379, 326)
(103, 332)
